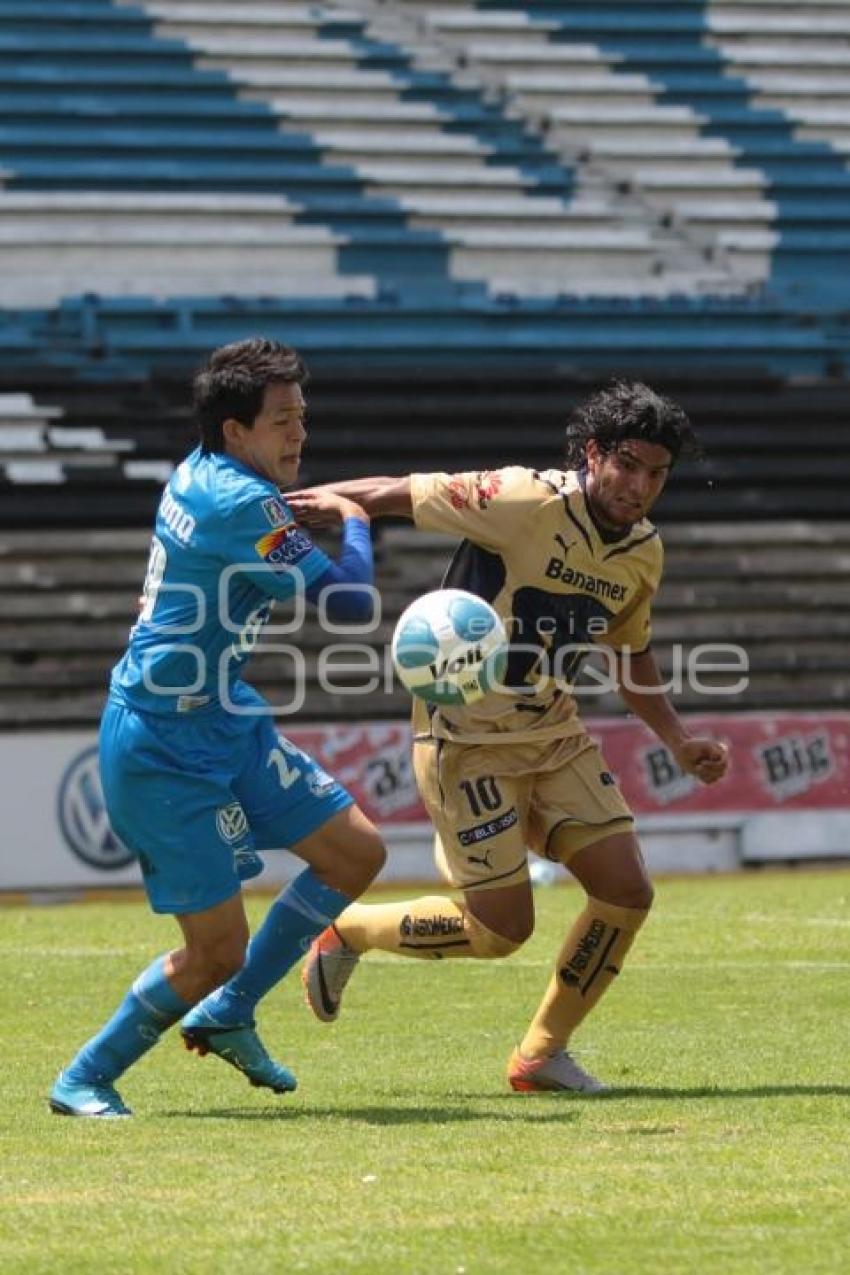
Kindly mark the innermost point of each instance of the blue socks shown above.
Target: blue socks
(149, 1008)
(303, 910)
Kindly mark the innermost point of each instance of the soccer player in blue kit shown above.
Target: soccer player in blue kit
(195, 777)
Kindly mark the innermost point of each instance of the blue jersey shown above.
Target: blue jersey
(225, 546)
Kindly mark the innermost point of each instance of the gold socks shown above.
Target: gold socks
(587, 964)
(431, 927)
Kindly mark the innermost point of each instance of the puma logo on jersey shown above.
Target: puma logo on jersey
(178, 520)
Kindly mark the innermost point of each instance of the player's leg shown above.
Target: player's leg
(480, 850)
(168, 817)
(346, 850)
(293, 802)
(619, 896)
(215, 942)
(431, 927)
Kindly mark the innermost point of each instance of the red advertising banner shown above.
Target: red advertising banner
(780, 761)
(373, 761)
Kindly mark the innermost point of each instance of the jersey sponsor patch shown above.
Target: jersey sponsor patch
(277, 512)
(284, 547)
(483, 831)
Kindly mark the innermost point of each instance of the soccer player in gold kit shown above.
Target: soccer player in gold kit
(569, 560)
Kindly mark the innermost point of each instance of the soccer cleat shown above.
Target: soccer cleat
(328, 967)
(553, 1072)
(102, 1101)
(242, 1048)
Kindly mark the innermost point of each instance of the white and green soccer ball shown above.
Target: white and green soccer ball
(450, 647)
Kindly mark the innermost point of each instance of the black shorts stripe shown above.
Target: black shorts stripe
(500, 877)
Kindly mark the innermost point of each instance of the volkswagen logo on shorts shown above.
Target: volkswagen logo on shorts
(231, 821)
(83, 818)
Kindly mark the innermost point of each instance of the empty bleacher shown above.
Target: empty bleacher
(425, 182)
(729, 118)
(494, 161)
(778, 591)
(40, 451)
(773, 451)
(466, 215)
(551, 148)
(401, 177)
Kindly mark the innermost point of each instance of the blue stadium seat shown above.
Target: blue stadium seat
(595, 182)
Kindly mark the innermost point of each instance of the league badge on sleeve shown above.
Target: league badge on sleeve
(276, 511)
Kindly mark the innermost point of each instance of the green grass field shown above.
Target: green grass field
(723, 1147)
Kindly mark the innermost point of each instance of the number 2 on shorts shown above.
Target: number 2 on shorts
(286, 773)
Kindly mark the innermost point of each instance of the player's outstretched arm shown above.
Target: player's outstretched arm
(379, 497)
(641, 690)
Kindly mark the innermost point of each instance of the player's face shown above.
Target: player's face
(272, 446)
(624, 484)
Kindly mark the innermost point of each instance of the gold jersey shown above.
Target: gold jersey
(560, 583)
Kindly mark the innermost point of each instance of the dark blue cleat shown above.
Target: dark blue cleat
(73, 1099)
(239, 1046)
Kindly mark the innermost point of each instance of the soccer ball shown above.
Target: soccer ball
(450, 647)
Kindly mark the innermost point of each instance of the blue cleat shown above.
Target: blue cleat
(73, 1099)
(240, 1046)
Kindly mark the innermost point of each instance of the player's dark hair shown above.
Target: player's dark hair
(627, 409)
(232, 383)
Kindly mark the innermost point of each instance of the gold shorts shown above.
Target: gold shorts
(491, 804)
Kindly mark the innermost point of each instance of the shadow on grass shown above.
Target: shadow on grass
(368, 1115)
(528, 1107)
(617, 1092)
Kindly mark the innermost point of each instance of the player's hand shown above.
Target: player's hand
(322, 507)
(707, 759)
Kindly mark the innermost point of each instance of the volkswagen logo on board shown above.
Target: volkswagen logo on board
(83, 818)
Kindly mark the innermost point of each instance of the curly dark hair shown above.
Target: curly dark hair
(627, 409)
(232, 383)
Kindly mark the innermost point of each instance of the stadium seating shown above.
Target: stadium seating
(772, 451)
(68, 600)
(470, 176)
(385, 189)
(322, 151)
(35, 453)
(466, 215)
(730, 118)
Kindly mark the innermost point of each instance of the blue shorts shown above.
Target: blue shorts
(195, 798)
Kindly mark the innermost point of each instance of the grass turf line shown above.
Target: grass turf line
(723, 1147)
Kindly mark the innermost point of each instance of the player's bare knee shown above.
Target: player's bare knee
(215, 962)
(354, 872)
(497, 939)
(644, 897)
(502, 945)
(368, 859)
(638, 895)
(224, 962)
(515, 930)
(501, 920)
